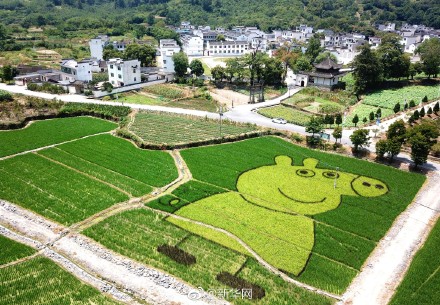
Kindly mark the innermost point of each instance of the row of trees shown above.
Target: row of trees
(371, 67)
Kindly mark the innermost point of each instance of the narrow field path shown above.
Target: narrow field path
(390, 260)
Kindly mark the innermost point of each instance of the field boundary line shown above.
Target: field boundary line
(53, 145)
(254, 254)
(21, 260)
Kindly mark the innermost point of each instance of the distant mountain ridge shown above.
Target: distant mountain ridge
(266, 14)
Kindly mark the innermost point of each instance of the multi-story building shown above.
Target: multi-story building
(124, 72)
(167, 48)
(97, 46)
(227, 48)
(192, 45)
(81, 70)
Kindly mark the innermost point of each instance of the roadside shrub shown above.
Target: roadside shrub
(5, 96)
(241, 284)
(46, 87)
(115, 113)
(435, 150)
(177, 255)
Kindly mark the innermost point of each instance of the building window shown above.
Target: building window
(119, 76)
(112, 74)
(134, 70)
(135, 79)
(119, 68)
(111, 66)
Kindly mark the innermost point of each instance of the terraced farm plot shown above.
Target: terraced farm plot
(343, 239)
(421, 282)
(40, 281)
(48, 132)
(12, 250)
(53, 190)
(162, 128)
(137, 234)
(363, 111)
(290, 114)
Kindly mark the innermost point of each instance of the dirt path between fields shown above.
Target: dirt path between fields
(390, 260)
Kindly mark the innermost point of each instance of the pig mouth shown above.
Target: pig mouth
(301, 201)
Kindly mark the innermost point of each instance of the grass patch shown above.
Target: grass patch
(40, 281)
(53, 190)
(363, 111)
(163, 128)
(12, 250)
(420, 285)
(289, 114)
(44, 133)
(166, 90)
(138, 233)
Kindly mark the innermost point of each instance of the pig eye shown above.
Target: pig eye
(379, 187)
(366, 184)
(330, 175)
(305, 173)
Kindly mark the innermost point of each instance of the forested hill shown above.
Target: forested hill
(267, 14)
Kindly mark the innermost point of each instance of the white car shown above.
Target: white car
(279, 121)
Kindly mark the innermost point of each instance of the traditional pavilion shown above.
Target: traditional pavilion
(326, 74)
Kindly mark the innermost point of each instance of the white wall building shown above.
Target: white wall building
(97, 46)
(192, 45)
(124, 72)
(79, 70)
(227, 48)
(167, 48)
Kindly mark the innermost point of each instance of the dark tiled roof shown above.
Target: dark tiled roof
(328, 64)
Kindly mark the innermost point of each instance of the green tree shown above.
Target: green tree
(355, 120)
(359, 139)
(367, 71)
(8, 73)
(337, 133)
(303, 64)
(234, 68)
(288, 56)
(425, 99)
(416, 115)
(313, 48)
(422, 112)
(218, 73)
(146, 54)
(429, 52)
(436, 108)
(372, 117)
(315, 125)
(397, 131)
(220, 37)
(381, 148)
(412, 103)
(107, 87)
(365, 120)
(338, 119)
(196, 68)
(110, 52)
(393, 148)
(273, 71)
(324, 55)
(180, 63)
(419, 149)
(429, 111)
(395, 63)
(396, 108)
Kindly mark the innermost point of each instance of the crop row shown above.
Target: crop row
(44, 133)
(153, 168)
(138, 233)
(12, 250)
(166, 91)
(40, 281)
(173, 129)
(421, 282)
(53, 190)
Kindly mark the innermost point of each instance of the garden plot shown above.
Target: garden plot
(162, 128)
(138, 234)
(40, 281)
(44, 133)
(290, 114)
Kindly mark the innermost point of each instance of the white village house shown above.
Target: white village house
(80, 70)
(124, 72)
(192, 45)
(227, 48)
(167, 48)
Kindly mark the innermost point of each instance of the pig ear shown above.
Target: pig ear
(310, 163)
(283, 161)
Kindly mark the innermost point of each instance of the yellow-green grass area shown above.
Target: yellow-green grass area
(421, 282)
(388, 98)
(40, 281)
(12, 250)
(363, 111)
(165, 128)
(145, 230)
(334, 230)
(118, 162)
(169, 91)
(290, 114)
(48, 132)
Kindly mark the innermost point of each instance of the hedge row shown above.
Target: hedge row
(177, 255)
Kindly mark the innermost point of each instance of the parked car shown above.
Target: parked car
(279, 121)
